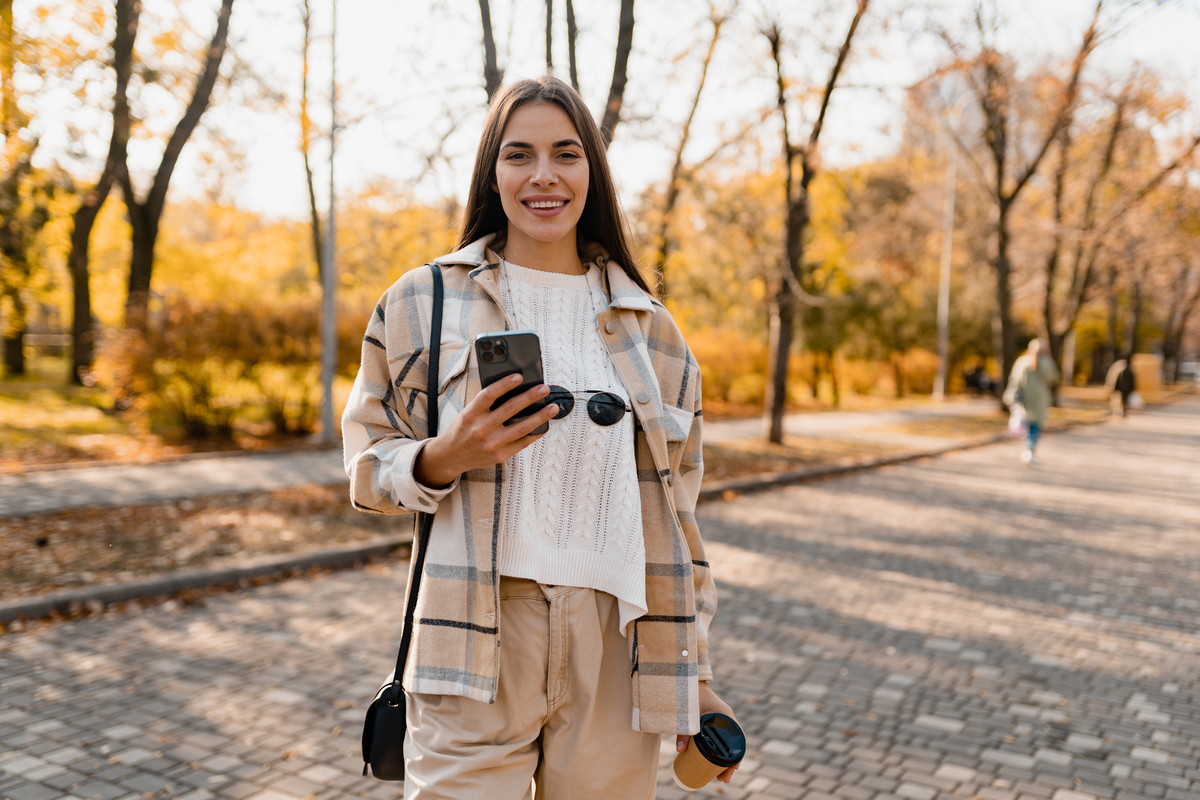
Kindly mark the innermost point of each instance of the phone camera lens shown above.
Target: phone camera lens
(500, 351)
(488, 357)
(485, 345)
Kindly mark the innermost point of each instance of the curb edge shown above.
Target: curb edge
(39, 606)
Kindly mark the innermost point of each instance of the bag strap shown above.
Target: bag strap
(424, 521)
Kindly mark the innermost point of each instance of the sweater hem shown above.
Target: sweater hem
(533, 561)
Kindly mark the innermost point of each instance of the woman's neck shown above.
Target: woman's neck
(561, 256)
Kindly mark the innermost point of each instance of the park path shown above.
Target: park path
(138, 484)
(955, 627)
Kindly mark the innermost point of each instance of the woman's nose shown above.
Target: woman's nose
(544, 175)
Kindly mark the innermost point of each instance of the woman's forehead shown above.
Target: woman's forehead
(538, 122)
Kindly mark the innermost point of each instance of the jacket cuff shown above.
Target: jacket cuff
(413, 494)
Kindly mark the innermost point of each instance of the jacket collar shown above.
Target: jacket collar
(622, 291)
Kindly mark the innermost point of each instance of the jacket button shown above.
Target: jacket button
(670, 479)
(685, 653)
(610, 326)
(642, 397)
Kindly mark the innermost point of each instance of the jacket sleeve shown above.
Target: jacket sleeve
(686, 491)
(386, 415)
(1014, 382)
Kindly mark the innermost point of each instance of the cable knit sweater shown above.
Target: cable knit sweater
(573, 514)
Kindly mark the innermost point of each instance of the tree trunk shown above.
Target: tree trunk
(493, 76)
(144, 236)
(833, 381)
(1112, 308)
(784, 296)
(549, 35)
(616, 91)
(1003, 270)
(779, 346)
(144, 216)
(1134, 334)
(83, 336)
(572, 35)
(14, 338)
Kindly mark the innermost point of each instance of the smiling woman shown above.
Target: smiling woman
(582, 539)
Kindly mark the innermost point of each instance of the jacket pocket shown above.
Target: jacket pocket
(456, 361)
(678, 423)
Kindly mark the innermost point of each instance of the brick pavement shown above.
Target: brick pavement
(960, 626)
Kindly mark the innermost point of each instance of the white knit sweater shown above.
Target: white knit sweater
(573, 514)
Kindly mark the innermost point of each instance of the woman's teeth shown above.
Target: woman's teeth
(547, 204)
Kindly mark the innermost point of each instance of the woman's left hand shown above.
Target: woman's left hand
(710, 702)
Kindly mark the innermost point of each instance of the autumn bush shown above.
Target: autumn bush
(202, 368)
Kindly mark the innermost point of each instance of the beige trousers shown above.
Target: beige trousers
(562, 714)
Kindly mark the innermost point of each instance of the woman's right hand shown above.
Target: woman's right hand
(478, 437)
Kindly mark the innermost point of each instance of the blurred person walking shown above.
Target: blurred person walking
(1120, 384)
(1031, 386)
(576, 548)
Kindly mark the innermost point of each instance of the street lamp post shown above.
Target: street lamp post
(943, 306)
(328, 284)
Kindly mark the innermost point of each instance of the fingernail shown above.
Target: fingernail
(514, 379)
(543, 389)
(680, 746)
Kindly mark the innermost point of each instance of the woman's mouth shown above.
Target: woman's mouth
(544, 208)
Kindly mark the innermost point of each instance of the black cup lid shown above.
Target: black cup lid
(720, 740)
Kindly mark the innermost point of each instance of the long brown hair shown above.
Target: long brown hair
(601, 222)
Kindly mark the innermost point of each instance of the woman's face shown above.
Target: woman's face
(541, 173)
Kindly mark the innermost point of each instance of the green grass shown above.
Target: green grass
(43, 419)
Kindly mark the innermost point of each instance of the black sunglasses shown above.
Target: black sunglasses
(605, 408)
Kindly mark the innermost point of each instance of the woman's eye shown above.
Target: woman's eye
(515, 156)
(567, 154)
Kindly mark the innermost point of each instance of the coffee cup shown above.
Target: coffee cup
(719, 745)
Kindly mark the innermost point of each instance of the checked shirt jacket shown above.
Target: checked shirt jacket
(458, 631)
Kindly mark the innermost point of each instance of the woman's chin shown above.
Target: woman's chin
(543, 234)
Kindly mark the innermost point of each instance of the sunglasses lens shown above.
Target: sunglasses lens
(606, 408)
(561, 398)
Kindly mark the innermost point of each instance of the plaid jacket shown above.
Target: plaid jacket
(455, 647)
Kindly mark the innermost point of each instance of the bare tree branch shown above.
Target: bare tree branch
(843, 52)
(144, 216)
(1067, 107)
(674, 184)
(616, 92)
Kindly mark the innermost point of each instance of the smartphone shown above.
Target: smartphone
(508, 353)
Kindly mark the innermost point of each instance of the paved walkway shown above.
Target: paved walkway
(59, 490)
(960, 626)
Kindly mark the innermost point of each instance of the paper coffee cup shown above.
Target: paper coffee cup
(719, 745)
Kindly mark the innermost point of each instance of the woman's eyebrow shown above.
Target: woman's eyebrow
(528, 146)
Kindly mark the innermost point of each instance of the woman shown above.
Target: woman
(576, 549)
(1031, 384)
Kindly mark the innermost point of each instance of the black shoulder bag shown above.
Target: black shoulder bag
(385, 726)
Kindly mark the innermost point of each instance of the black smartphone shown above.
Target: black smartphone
(507, 353)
